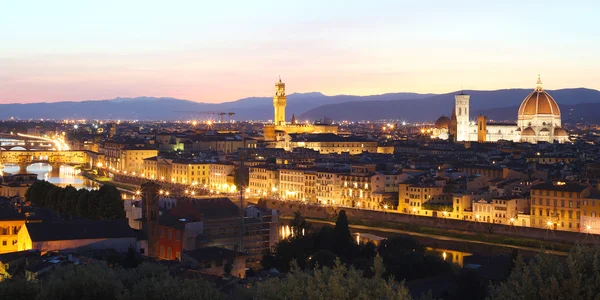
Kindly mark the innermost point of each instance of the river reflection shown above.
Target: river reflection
(456, 257)
(63, 175)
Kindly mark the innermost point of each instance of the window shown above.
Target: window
(169, 233)
(562, 203)
(169, 253)
(4, 243)
(162, 251)
(177, 235)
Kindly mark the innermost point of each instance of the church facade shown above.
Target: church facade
(538, 120)
(280, 127)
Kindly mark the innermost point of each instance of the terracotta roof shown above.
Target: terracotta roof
(442, 122)
(539, 102)
(560, 132)
(528, 131)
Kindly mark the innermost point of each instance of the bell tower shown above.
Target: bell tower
(279, 102)
(150, 205)
(462, 117)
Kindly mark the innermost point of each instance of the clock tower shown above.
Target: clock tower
(279, 102)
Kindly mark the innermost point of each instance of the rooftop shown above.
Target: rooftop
(79, 230)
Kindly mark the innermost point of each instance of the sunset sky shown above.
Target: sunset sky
(216, 51)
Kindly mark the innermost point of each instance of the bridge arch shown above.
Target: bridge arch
(39, 167)
(11, 168)
(17, 148)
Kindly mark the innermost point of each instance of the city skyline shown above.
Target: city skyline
(222, 52)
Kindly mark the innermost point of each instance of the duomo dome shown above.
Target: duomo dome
(539, 103)
(538, 120)
(539, 117)
(442, 123)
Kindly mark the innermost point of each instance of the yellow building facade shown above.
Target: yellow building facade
(9, 230)
(411, 197)
(263, 181)
(558, 205)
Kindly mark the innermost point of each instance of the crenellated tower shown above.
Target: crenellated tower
(279, 102)
(462, 117)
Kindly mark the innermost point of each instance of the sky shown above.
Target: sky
(217, 51)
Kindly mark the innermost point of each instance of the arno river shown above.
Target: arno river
(59, 175)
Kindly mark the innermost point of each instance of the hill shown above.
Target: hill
(505, 102)
(154, 108)
(498, 104)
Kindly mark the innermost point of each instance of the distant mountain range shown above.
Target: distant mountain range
(498, 105)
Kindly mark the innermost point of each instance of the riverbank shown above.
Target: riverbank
(106, 180)
(439, 234)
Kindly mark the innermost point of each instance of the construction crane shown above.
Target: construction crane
(220, 114)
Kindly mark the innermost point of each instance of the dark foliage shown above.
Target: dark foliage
(102, 204)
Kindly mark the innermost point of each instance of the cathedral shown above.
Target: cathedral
(538, 120)
(280, 127)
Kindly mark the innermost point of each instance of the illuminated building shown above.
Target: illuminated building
(221, 177)
(263, 180)
(558, 205)
(181, 171)
(279, 121)
(297, 184)
(538, 120)
(413, 196)
(127, 157)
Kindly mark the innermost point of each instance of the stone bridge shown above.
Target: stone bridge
(10, 142)
(27, 157)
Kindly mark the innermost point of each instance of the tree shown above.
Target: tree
(342, 239)
(338, 282)
(299, 224)
(18, 289)
(406, 259)
(550, 277)
(74, 282)
(99, 281)
(173, 288)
